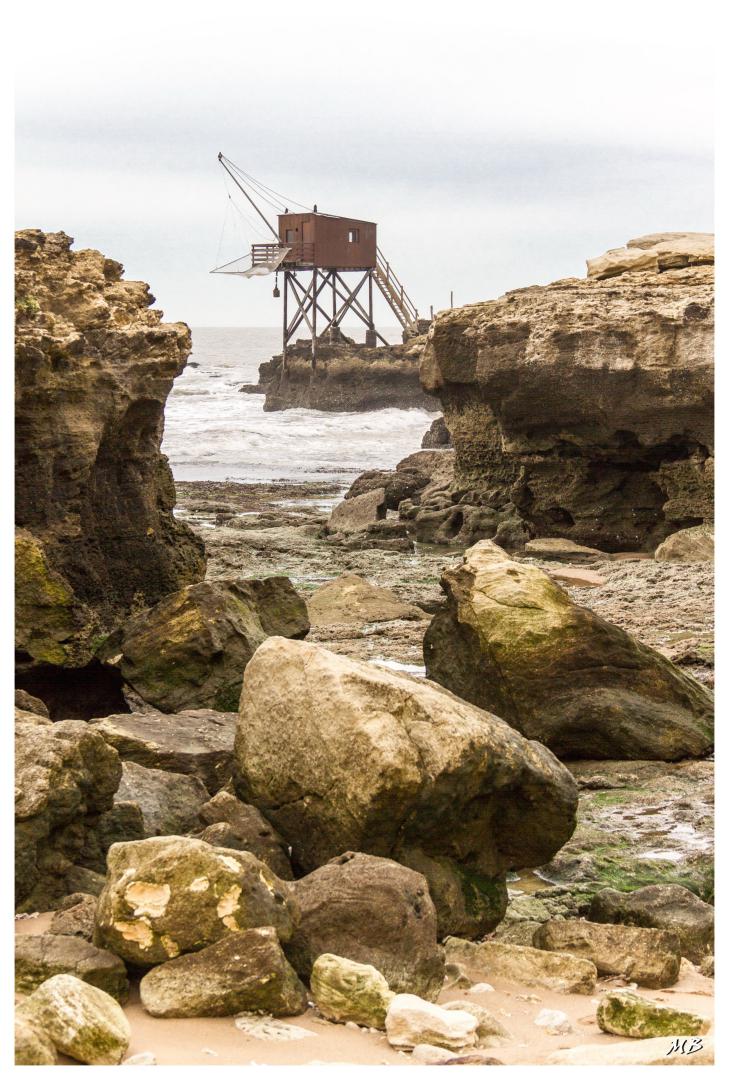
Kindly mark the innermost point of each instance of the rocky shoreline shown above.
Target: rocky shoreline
(349, 377)
(242, 805)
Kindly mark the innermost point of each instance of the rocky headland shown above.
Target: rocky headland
(326, 792)
(349, 377)
(94, 496)
(580, 409)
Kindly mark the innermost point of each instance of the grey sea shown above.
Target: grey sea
(213, 432)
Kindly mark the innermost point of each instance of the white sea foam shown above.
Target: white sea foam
(213, 432)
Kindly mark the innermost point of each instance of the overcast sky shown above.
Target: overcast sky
(496, 145)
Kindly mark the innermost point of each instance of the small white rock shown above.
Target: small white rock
(411, 1021)
(425, 1054)
(480, 988)
(145, 1058)
(554, 1021)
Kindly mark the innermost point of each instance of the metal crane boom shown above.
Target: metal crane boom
(224, 162)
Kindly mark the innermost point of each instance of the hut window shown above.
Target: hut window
(354, 236)
(290, 236)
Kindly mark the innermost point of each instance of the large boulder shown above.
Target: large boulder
(169, 802)
(645, 956)
(243, 972)
(244, 828)
(82, 1021)
(191, 649)
(584, 408)
(561, 972)
(198, 742)
(93, 494)
(171, 894)
(372, 911)
(65, 780)
(40, 956)
(359, 758)
(664, 907)
(621, 1012)
(511, 640)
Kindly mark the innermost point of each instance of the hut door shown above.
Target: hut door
(307, 240)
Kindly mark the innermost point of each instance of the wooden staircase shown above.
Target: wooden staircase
(393, 291)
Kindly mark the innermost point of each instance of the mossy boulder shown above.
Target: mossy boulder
(511, 641)
(39, 957)
(346, 991)
(82, 1021)
(621, 1012)
(170, 895)
(645, 956)
(190, 650)
(32, 1044)
(243, 972)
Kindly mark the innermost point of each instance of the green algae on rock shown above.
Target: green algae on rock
(621, 1012)
(172, 894)
(466, 902)
(82, 1021)
(344, 990)
(243, 972)
(511, 641)
(32, 1044)
(640, 823)
(49, 619)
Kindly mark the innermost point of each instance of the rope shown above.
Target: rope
(283, 199)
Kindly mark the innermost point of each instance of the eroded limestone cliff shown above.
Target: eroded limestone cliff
(582, 409)
(94, 495)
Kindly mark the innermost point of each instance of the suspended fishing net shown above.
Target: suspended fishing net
(262, 259)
